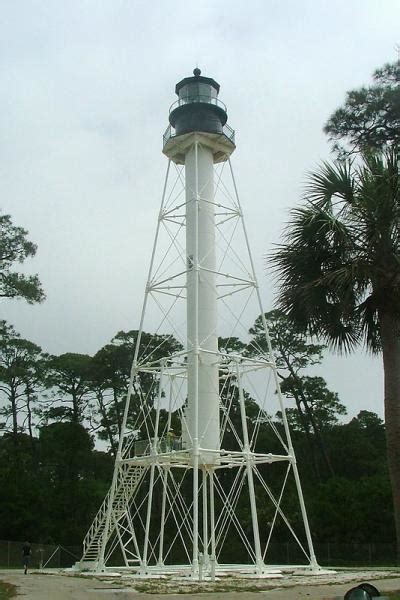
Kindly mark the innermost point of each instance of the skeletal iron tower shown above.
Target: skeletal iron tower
(203, 465)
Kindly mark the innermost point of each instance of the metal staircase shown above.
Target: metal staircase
(128, 479)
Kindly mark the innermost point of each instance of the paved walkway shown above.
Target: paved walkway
(39, 586)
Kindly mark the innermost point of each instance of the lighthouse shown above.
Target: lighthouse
(195, 489)
(198, 118)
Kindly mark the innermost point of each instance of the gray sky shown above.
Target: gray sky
(86, 86)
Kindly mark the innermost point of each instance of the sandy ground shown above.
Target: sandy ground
(58, 586)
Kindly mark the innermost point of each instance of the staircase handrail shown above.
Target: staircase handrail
(101, 515)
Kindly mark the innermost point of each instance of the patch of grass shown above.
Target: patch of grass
(198, 589)
(7, 590)
(225, 585)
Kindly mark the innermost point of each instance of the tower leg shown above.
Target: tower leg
(213, 557)
(165, 473)
(195, 555)
(148, 517)
(313, 560)
(162, 524)
(249, 470)
(154, 452)
(205, 519)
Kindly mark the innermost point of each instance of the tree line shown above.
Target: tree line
(53, 477)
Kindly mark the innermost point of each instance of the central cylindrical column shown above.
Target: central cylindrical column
(203, 392)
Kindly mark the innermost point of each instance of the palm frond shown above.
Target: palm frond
(337, 248)
(367, 313)
(330, 181)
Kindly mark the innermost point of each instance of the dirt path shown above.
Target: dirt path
(39, 586)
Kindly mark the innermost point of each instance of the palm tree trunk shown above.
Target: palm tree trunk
(390, 335)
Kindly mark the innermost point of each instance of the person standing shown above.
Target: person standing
(26, 556)
(171, 440)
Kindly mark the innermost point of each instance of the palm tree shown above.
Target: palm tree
(339, 273)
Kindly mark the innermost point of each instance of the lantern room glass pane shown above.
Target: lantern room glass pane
(197, 92)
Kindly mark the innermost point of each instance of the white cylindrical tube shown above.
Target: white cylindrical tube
(202, 300)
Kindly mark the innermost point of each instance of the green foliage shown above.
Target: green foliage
(339, 265)
(322, 402)
(68, 376)
(15, 248)
(109, 375)
(21, 376)
(52, 484)
(291, 347)
(355, 504)
(346, 509)
(20, 490)
(363, 438)
(370, 116)
(71, 470)
(53, 494)
(317, 408)
(231, 345)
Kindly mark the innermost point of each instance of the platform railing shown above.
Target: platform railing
(164, 444)
(197, 98)
(227, 131)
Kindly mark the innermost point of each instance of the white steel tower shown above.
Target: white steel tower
(204, 464)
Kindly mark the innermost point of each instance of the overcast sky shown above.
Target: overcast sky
(85, 91)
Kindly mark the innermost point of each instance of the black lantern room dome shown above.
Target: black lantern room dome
(198, 107)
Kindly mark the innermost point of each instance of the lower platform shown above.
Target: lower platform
(204, 571)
